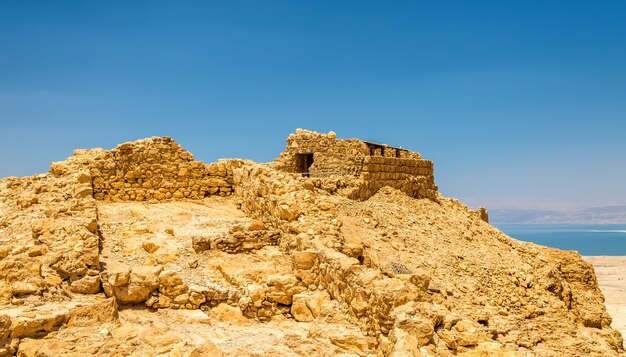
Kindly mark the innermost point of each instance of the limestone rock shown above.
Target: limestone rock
(86, 285)
(37, 325)
(304, 259)
(116, 274)
(347, 338)
(308, 304)
(207, 349)
(287, 212)
(141, 282)
(301, 311)
(96, 313)
(43, 348)
(227, 313)
(339, 247)
(5, 329)
(420, 330)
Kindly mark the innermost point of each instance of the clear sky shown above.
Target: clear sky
(516, 102)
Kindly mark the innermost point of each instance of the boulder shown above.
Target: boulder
(226, 313)
(37, 324)
(142, 281)
(309, 302)
(117, 274)
(420, 329)
(42, 347)
(304, 259)
(86, 285)
(171, 284)
(300, 311)
(102, 311)
(287, 212)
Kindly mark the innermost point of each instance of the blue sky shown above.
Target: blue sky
(518, 103)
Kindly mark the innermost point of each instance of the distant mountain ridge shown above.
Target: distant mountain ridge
(615, 214)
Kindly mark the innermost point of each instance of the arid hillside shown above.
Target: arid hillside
(339, 248)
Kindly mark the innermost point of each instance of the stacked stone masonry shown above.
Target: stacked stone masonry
(330, 156)
(376, 165)
(412, 176)
(158, 169)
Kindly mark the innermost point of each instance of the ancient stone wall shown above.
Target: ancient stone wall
(411, 176)
(157, 169)
(279, 200)
(376, 165)
(330, 156)
(305, 207)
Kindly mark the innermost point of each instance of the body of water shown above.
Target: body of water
(593, 239)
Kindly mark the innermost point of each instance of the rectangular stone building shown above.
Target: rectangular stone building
(375, 165)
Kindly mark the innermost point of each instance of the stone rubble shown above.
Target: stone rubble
(340, 247)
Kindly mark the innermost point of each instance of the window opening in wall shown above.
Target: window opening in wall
(303, 163)
(379, 149)
(374, 147)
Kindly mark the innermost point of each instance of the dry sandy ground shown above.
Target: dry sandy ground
(611, 273)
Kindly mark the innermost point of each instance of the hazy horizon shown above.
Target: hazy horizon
(519, 104)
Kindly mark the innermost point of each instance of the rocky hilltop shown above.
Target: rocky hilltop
(339, 247)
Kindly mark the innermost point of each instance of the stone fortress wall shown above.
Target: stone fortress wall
(411, 176)
(157, 169)
(376, 165)
(330, 156)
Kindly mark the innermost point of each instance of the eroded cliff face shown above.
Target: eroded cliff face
(143, 251)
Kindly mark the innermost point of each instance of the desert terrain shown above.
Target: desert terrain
(611, 274)
(141, 250)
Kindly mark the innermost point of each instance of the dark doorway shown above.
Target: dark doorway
(303, 163)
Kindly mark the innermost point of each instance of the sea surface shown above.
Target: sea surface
(594, 239)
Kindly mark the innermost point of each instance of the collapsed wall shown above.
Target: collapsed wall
(48, 236)
(429, 278)
(322, 257)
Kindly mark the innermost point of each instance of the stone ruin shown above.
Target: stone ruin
(158, 169)
(322, 236)
(154, 169)
(374, 165)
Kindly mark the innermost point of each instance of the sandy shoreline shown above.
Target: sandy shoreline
(611, 273)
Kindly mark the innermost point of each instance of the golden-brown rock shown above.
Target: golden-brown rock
(341, 247)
